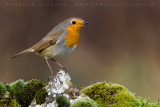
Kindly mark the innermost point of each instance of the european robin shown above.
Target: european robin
(60, 41)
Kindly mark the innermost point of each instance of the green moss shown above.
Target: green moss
(9, 103)
(14, 103)
(21, 93)
(8, 87)
(62, 101)
(114, 95)
(2, 90)
(26, 92)
(84, 102)
(144, 103)
(110, 95)
(4, 103)
(16, 88)
(41, 96)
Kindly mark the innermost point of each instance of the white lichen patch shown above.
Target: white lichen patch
(59, 85)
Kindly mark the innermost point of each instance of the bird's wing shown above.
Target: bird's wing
(50, 39)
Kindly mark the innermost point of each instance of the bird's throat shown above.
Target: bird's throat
(72, 37)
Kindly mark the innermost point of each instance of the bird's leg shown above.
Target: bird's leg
(59, 65)
(49, 66)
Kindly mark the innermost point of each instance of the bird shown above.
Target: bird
(60, 41)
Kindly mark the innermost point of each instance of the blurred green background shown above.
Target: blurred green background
(120, 45)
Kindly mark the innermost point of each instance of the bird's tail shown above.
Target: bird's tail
(23, 52)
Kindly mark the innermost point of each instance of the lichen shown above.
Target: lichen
(84, 102)
(62, 101)
(41, 96)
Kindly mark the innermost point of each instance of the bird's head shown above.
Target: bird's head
(74, 23)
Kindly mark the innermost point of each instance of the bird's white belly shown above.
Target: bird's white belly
(59, 50)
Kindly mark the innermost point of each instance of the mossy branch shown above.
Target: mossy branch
(60, 92)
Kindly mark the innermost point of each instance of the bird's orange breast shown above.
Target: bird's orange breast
(72, 37)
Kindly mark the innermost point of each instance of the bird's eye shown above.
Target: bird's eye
(73, 22)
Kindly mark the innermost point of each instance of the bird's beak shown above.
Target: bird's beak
(85, 23)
